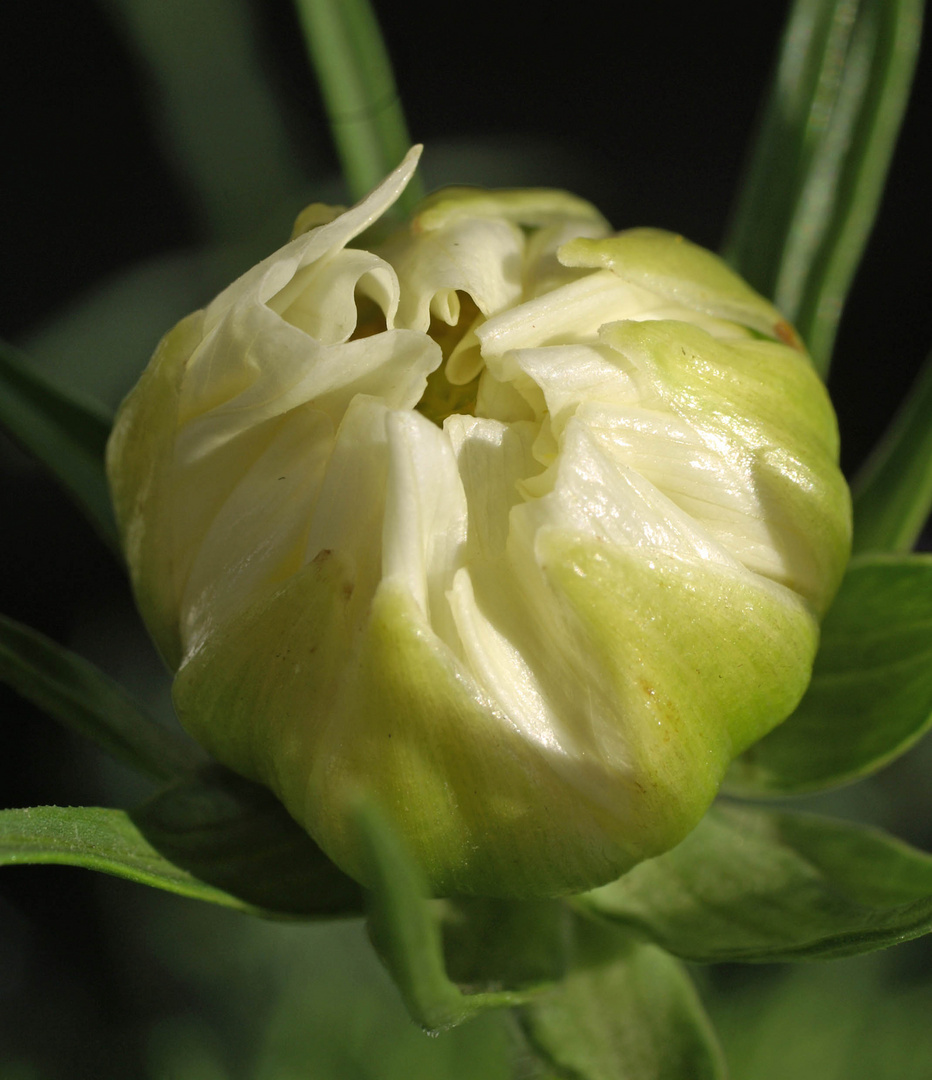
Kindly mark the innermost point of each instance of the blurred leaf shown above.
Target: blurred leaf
(846, 1020)
(97, 839)
(870, 697)
(355, 75)
(211, 100)
(100, 343)
(236, 836)
(64, 431)
(405, 929)
(80, 696)
(819, 164)
(505, 944)
(893, 492)
(626, 1010)
(750, 885)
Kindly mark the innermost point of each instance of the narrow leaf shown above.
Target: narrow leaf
(753, 885)
(626, 1010)
(97, 839)
(405, 929)
(66, 433)
(893, 492)
(237, 837)
(355, 75)
(211, 98)
(870, 697)
(80, 696)
(819, 164)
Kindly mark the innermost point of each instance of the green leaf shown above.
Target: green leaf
(626, 1010)
(870, 697)
(97, 839)
(215, 837)
(818, 166)
(237, 837)
(80, 696)
(214, 109)
(505, 944)
(358, 86)
(893, 492)
(754, 885)
(404, 926)
(65, 432)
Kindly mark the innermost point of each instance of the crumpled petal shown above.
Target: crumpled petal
(521, 527)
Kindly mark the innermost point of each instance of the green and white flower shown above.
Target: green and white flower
(518, 526)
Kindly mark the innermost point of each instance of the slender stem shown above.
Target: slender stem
(355, 76)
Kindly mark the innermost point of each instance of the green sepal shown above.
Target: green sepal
(870, 697)
(756, 885)
(237, 837)
(625, 1010)
(405, 928)
(505, 944)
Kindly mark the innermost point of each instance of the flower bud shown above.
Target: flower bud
(521, 527)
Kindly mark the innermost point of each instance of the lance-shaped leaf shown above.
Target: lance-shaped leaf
(753, 885)
(82, 697)
(405, 929)
(893, 492)
(215, 838)
(819, 164)
(66, 433)
(870, 697)
(97, 839)
(626, 1010)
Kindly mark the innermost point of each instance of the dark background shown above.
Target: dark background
(646, 111)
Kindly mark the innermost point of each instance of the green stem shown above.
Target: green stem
(355, 75)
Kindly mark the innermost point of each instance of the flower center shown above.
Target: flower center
(444, 398)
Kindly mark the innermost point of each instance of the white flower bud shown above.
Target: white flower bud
(521, 527)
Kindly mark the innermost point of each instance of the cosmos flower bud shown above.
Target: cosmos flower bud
(521, 527)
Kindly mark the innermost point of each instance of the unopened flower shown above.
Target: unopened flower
(519, 526)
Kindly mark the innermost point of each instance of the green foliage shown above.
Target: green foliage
(97, 839)
(626, 1009)
(355, 76)
(820, 161)
(64, 431)
(893, 492)
(756, 885)
(870, 697)
(80, 696)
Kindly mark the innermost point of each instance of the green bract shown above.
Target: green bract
(518, 527)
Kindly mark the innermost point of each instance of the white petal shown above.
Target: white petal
(271, 275)
(257, 538)
(593, 495)
(424, 533)
(321, 298)
(479, 257)
(348, 513)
